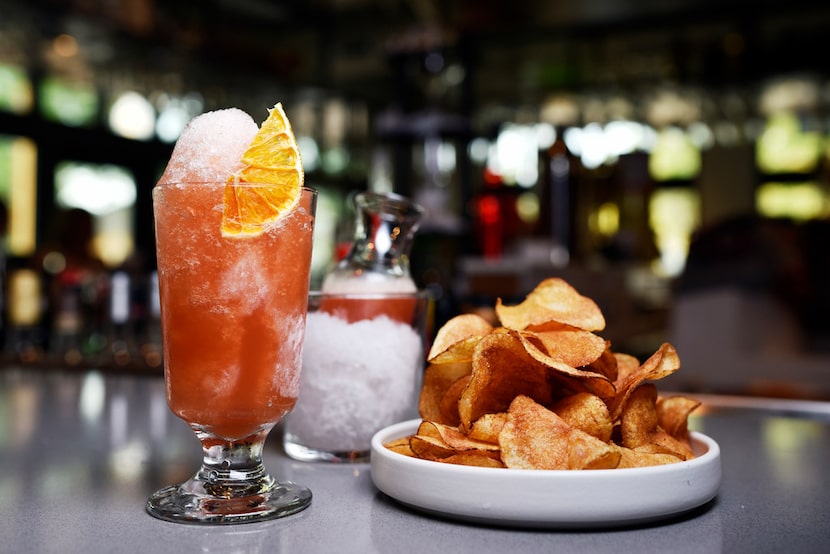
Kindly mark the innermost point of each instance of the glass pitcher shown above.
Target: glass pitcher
(378, 259)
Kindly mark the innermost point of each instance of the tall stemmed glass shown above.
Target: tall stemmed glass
(233, 319)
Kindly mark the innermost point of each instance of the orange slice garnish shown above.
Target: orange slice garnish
(270, 183)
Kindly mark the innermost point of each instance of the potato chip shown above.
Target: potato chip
(627, 365)
(458, 329)
(502, 370)
(478, 459)
(461, 351)
(487, 427)
(438, 378)
(636, 458)
(586, 412)
(673, 415)
(427, 442)
(606, 364)
(454, 438)
(401, 446)
(662, 363)
(563, 343)
(544, 391)
(591, 380)
(655, 448)
(536, 438)
(638, 419)
(437, 442)
(449, 401)
(552, 300)
(639, 425)
(430, 448)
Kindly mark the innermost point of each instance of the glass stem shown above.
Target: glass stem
(233, 469)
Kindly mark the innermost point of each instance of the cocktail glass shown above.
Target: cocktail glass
(233, 314)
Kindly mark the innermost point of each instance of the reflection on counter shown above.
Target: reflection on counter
(115, 436)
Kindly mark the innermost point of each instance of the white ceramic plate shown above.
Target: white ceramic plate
(539, 498)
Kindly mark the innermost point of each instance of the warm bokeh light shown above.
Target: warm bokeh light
(527, 207)
(65, 46)
(674, 156)
(16, 92)
(18, 189)
(108, 193)
(673, 214)
(132, 116)
(784, 147)
(515, 156)
(24, 297)
(797, 201)
(605, 220)
(70, 102)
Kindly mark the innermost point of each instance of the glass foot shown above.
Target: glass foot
(230, 487)
(193, 502)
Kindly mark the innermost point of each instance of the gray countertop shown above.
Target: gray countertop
(81, 452)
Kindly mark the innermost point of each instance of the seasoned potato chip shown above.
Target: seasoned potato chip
(438, 378)
(552, 300)
(455, 439)
(673, 415)
(639, 425)
(662, 363)
(566, 344)
(429, 448)
(429, 429)
(627, 365)
(449, 402)
(401, 446)
(606, 364)
(502, 370)
(544, 391)
(475, 458)
(437, 442)
(461, 351)
(586, 412)
(636, 458)
(487, 427)
(591, 380)
(428, 444)
(536, 438)
(458, 329)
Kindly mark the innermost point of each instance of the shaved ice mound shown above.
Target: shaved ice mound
(210, 147)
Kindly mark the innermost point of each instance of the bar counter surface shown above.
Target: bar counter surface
(80, 452)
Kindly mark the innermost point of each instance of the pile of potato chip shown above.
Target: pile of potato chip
(544, 391)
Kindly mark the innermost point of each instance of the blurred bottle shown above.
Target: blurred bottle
(95, 291)
(558, 204)
(120, 334)
(489, 216)
(67, 332)
(77, 282)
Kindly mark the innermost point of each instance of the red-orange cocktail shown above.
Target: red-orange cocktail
(234, 230)
(233, 311)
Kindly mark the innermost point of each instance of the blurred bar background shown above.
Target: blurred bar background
(668, 158)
